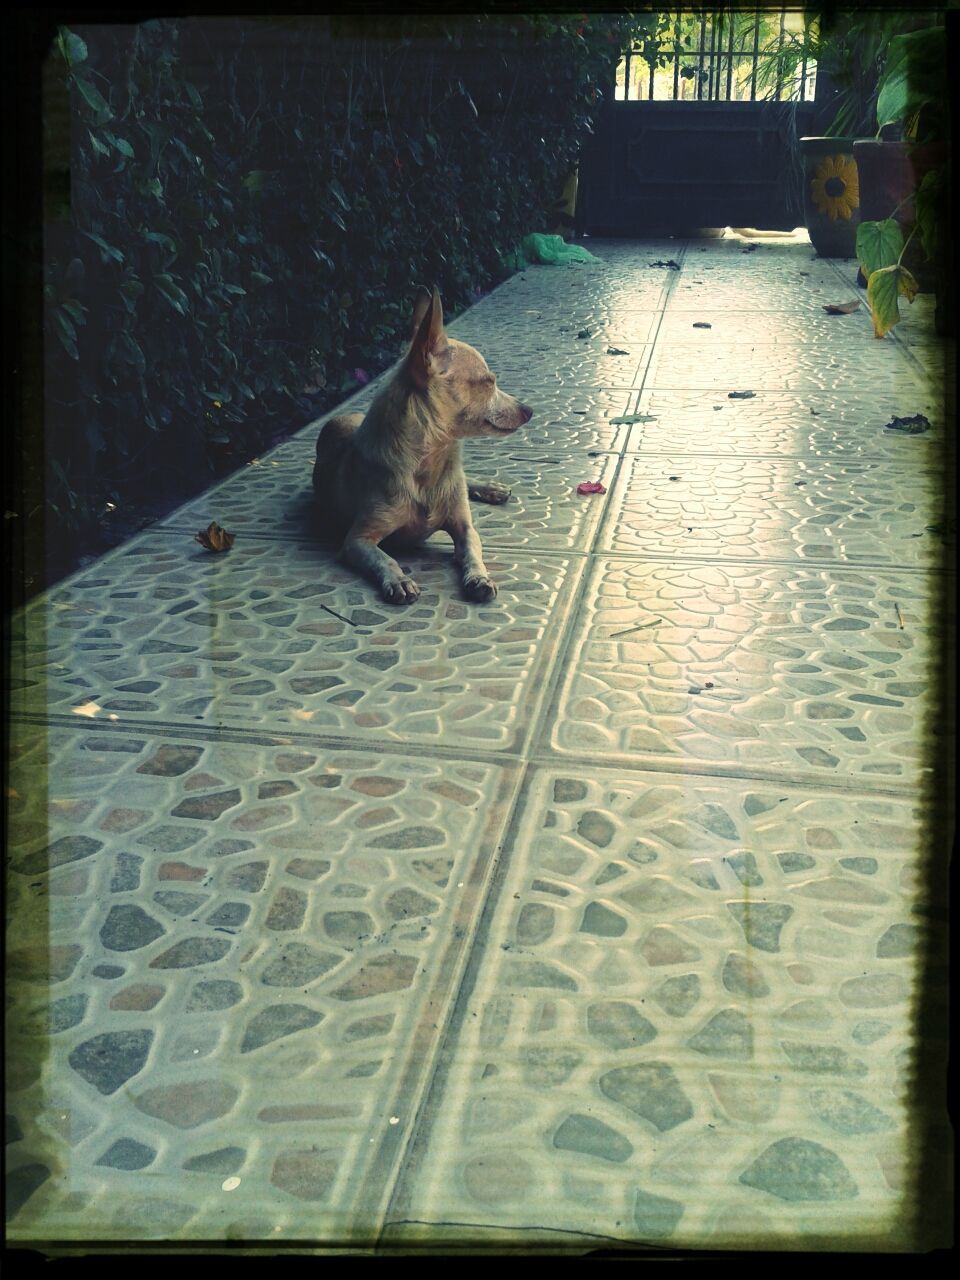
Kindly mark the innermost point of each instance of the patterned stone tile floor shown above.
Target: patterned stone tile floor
(590, 917)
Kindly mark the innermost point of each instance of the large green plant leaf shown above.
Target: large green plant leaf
(879, 244)
(914, 75)
(72, 47)
(94, 99)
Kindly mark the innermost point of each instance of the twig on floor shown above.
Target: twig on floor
(339, 615)
(899, 614)
(642, 627)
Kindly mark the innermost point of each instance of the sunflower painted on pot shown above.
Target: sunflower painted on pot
(835, 187)
(831, 195)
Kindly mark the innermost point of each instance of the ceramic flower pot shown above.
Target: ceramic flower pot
(890, 174)
(831, 195)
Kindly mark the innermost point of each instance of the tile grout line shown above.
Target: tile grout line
(435, 1084)
(554, 673)
(578, 552)
(534, 755)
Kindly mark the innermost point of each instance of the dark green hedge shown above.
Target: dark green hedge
(251, 203)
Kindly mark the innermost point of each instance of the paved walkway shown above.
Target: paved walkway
(583, 916)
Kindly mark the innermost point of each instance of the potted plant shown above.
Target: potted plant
(904, 179)
(850, 54)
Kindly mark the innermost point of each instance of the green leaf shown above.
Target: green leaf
(173, 294)
(72, 47)
(66, 333)
(98, 146)
(121, 144)
(234, 288)
(335, 188)
(193, 95)
(76, 311)
(256, 180)
(883, 289)
(914, 75)
(259, 278)
(107, 249)
(335, 217)
(132, 352)
(159, 237)
(132, 288)
(94, 99)
(879, 244)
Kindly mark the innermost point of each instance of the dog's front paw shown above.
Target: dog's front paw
(480, 589)
(400, 591)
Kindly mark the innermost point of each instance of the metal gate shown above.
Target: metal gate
(700, 128)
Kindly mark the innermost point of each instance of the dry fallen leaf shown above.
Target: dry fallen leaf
(841, 308)
(214, 538)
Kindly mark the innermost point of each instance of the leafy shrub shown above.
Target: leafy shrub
(251, 204)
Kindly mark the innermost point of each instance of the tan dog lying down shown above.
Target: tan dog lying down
(398, 472)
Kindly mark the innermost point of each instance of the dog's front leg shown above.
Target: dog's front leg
(361, 552)
(468, 554)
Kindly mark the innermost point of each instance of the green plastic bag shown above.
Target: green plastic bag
(550, 251)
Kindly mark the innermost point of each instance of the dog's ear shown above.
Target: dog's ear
(429, 339)
(420, 307)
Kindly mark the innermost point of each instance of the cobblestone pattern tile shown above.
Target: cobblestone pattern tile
(702, 289)
(573, 364)
(850, 425)
(811, 327)
(845, 512)
(525, 331)
(795, 672)
(772, 367)
(223, 962)
(688, 1021)
(274, 636)
(275, 497)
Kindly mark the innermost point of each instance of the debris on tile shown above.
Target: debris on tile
(740, 395)
(914, 426)
(899, 614)
(615, 351)
(750, 248)
(674, 266)
(717, 408)
(585, 333)
(214, 538)
(815, 412)
(628, 419)
(642, 626)
(804, 273)
(701, 324)
(591, 486)
(841, 308)
(674, 477)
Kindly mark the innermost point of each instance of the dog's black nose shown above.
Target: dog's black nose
(527, 412)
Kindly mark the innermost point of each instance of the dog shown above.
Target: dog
(397, 473)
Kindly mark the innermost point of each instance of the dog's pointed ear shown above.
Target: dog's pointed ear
(421, 306)
(429, 338)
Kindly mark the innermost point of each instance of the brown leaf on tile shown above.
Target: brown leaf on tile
(841, 308)
(214, 538)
